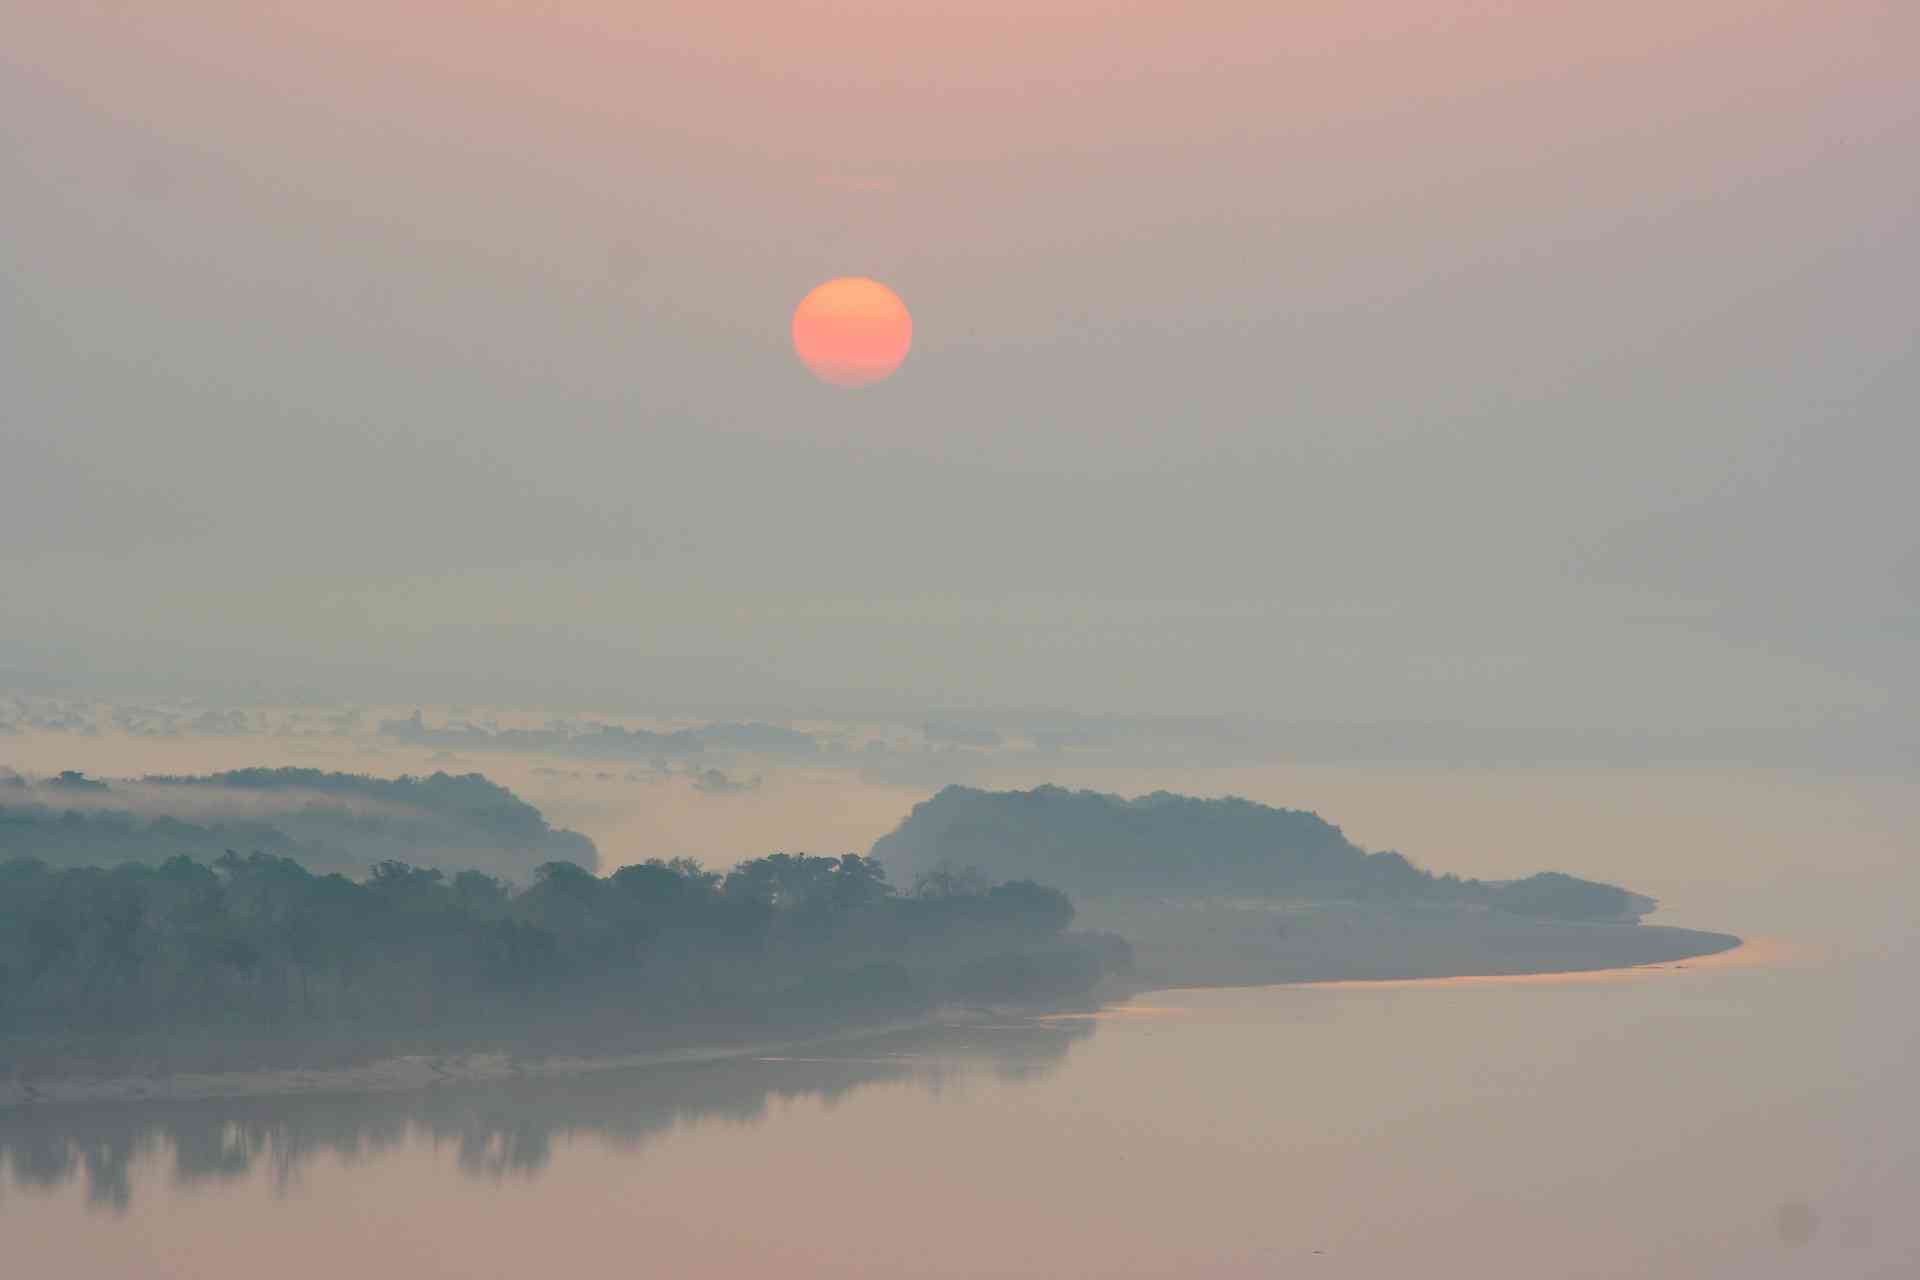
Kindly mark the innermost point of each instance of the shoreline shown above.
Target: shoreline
(1221, 943)
(406, 1073)
(1739, 954)
(415, 1072)
(1743, 953)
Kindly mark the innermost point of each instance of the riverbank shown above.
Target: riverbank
(1238, 942)
(404, 1073)
(1191, 944)
(1199, 966)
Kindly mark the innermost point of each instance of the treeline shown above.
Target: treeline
(262, 945)
(342, 822)
(1090, 843)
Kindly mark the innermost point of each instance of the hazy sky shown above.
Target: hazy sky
(1531, 363)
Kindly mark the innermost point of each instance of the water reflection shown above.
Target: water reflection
(499, 1128)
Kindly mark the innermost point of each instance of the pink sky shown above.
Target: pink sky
(1468, 360)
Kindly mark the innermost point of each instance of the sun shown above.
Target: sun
(852, 331)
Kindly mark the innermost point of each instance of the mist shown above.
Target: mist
(1352, 697)
(466, 412)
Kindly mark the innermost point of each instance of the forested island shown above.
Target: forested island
(256, 960)
(127, 945)
(1090, 843)
(1226, 891)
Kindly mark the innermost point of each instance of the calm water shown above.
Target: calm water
(1742, 1120)
(1747, 1119)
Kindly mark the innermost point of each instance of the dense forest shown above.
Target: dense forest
(1090, 843)
(261, 946)
(343, 822)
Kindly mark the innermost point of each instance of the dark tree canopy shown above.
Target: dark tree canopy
(261, 942)
(1090, 843)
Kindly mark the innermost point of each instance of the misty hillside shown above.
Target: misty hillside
(1092, 843)
(328, 821)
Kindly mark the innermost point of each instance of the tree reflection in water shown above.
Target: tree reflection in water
(500, 1128)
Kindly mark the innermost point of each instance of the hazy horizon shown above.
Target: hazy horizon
(1412, 363)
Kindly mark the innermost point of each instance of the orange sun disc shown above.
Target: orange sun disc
(852, 331)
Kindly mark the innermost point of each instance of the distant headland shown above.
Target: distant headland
(1227, 891)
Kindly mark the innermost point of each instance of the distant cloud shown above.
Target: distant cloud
(222, 723)
(602, 740)
(963, 735)
(712, 782)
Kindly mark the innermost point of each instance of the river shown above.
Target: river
(1750, 1115)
